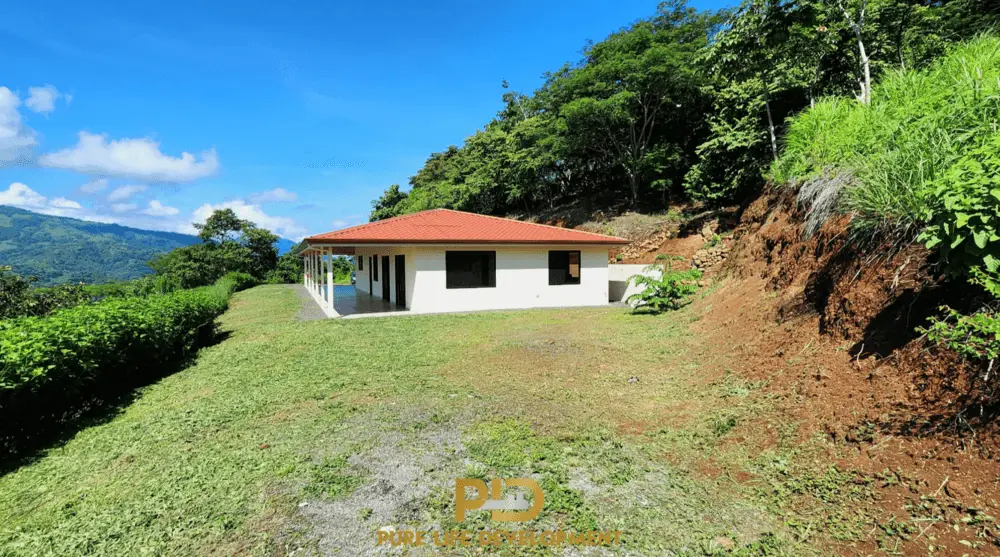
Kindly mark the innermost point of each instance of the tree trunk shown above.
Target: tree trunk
(633, 183)
(770, 122)
(866, 91)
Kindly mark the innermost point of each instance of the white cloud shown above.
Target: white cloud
(339, 223)
(157, 209)
(20, 195)
(121, 193)
(124, 207)
(16, 139)
(277, 195)
(282, 226)
(94, 186)
(42, 99)
(63, 203)
(131, 158)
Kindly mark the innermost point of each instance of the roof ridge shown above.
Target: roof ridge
(533, 224)
(373, 224)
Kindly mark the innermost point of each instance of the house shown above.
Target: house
(444, 261)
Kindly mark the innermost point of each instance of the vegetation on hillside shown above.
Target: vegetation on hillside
(59, 250)
(923, 160)
(51, 365)
(682, 105)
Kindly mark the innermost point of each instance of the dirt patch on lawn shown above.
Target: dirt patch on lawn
(831, 329)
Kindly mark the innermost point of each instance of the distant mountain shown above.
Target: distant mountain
(285, 246)
(60, 249)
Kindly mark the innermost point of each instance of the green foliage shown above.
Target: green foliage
(228, 244)
(681, 105)
(288, 270)
(670, 290)
(385, 206)
(239, 280)
(61, 250)
(975, 336)
(49, 364)
(965, 212)
(19, 298)
(144, 286)
(926, 133)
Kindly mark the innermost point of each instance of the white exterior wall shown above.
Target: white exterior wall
(620, 287)
(522, 278)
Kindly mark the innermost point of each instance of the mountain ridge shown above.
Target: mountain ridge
(64, 249)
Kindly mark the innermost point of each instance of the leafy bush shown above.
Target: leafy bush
(239, 280)
(975, 336)
(140, 287)
(965, 212)
(19, 298)
(920, 136)
(49, 365)
(669, 291)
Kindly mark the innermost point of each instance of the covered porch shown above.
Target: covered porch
(338, 300)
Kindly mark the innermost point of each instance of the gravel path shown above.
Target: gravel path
(310, 310)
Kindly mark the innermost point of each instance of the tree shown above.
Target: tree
(636, 82)
(856, 20)
(387, 206)
(228, 244)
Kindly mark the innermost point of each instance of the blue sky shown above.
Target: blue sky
(295, 114)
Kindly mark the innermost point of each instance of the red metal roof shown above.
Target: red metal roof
(445, 226)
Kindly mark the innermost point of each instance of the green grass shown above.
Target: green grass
(919, 124)
(216, 458)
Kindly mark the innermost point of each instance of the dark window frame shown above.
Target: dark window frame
(374, 262)
(361, 263)
(560, 265)
(460, 269)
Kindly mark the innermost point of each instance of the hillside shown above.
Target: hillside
(60, 249)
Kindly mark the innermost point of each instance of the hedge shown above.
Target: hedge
(50, 366)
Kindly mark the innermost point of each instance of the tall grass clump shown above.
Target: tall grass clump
(899, 149)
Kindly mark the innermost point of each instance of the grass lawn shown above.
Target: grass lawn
(314, 435)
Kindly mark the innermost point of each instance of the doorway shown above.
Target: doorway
(370, 271)
(401, 281)
(385, 277)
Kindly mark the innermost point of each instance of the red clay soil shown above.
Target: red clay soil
(832, 331)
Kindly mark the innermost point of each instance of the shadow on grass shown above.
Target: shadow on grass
(28, 433)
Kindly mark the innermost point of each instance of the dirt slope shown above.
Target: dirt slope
(831, 330)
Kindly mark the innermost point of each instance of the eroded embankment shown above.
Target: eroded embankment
(832, 328)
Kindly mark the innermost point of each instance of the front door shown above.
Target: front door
(401, 281)
(370, 271)
(385, 277)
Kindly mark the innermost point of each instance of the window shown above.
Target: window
(374, 267)
(361, 263)
(564, 267)
(470, 269)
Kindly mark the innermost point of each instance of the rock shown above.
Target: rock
(956, 490)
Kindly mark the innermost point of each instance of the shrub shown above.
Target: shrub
(51, 365)
(669, 291)
(18, 298)
(143, 286)
(238, 280)
(964, 213)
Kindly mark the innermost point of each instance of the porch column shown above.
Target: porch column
(308, 272)
(305, 274)
(329, 282)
